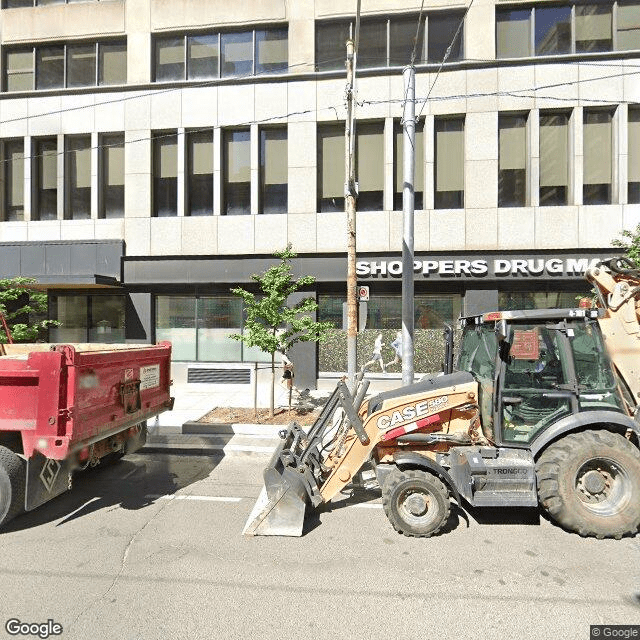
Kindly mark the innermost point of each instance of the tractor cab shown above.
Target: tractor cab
(535, 368)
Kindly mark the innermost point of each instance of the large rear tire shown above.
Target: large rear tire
(12, 485)
(589, 483)
(416, 502)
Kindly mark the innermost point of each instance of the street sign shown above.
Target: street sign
(363, 293)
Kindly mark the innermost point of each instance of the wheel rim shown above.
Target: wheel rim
(417, 506)
(603, 486)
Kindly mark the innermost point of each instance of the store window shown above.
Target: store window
(273, 170)
(77, 160)
(87, 318)
(200, 173)
(370, 165)
(525, 300)
(199, 329)
(449, 165)
(390, 41)
(237, 172)
(165, 174)
(111, 156)
(45, 179)
(330, 167)
(418, 178)
(13, 161)
(597, 157)
(55, 66)
(512, 160)
(554, 159)
(634, 156)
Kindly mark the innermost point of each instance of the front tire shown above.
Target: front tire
(415, 502)
(589, 483)
(12, 485)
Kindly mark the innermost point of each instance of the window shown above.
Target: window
(547, 30)
(237, 172)
(112, 176)
(390, 41)
(273, 170)
(226, 54)
(370, 166)
(200, 172)
(634, 157)
(331, 167)
(165, 174)
(526, 300)
(418, 178)
(554, 159)
(87, 318)
(13, 156)
(73, 65)
(598, 155)
(45, 179)
(449, 166)
(512, 160)
(77, 159)
(199, 329)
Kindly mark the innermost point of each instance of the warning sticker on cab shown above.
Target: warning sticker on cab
(149, 377)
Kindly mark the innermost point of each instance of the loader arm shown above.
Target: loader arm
(617, 283)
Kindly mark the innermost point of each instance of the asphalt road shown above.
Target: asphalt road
(152, 548)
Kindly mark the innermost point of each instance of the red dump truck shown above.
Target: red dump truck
(65, 407)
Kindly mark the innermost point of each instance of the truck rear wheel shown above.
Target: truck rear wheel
(416, 502)
(12, 483)
(589, 483)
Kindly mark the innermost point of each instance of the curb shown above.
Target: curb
(223, 428)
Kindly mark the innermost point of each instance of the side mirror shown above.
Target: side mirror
(501, 330)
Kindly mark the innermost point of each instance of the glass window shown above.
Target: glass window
(19, 70)
(219, 318)
(418, 178)
(553, 30)
(513, 33)
(272, 50)
(628, 25)
(45, 179)
(237, 54)
(598, 154)
(81, 65)
(274, 168)
(202, 57)
(370, 165)
(112, 176)
(449, 169)
(402, 35)
(512, 159)
(165, 174)
(200, 170)
(527, 300)
(331, 38)
(71, 312)
(176, 322)
(330, 167)
(372, 48)
(554, 159)
(442, 31)
(16, 4)
(112, 66)
(106, 319)
(593, 28)
(634, 157)
(78, 178)
(50, 67)
(14, 180)
(169, 57)
(237, 172)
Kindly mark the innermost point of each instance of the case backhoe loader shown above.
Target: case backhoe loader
(541, 409)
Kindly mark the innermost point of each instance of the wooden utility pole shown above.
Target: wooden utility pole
(350, 194)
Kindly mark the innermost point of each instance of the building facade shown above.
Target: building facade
(156, 152)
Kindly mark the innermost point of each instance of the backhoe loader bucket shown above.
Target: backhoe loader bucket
(294, 475)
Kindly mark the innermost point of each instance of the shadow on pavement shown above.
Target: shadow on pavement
(132, 483)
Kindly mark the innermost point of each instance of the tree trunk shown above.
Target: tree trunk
(273, 384)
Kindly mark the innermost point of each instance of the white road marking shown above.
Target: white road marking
(195, 498)
(367, 506)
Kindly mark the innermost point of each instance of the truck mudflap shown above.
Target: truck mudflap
(46, 479)
(294, 476)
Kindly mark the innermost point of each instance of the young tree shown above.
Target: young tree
(24, 309)
(630, 242)
(271, 324)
